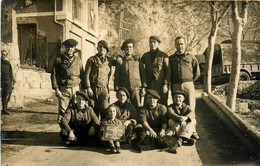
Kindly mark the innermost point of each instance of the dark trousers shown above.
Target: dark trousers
(6, 94)
(82, 135)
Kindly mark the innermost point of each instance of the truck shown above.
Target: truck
(222, 61)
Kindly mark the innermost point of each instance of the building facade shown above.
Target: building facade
(32, 32)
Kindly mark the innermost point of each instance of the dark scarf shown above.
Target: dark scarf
(153, 54)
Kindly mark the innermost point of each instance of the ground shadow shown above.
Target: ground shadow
(31, 138)
(27, 138)
(217, 145)
(29, 111)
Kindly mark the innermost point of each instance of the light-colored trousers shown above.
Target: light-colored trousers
(67, 94)
(184, 129)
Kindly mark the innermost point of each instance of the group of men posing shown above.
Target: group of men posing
(84, 95)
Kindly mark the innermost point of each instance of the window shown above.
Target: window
(77, 9)
(91, 14)
(32, 47)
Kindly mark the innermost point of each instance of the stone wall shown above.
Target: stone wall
(30, 85)
(245, 90)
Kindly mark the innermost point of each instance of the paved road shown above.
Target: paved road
(38, 143)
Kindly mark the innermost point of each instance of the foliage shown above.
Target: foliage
(166, 19)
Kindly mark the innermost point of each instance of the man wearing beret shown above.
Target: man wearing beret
(67, 74)
(184, 71)
(181, 119)
(97, 74)
(79, 122)
(157, 69)
(125, 111)
(154, 115)
(130, 74)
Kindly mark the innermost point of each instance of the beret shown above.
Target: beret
(70, 43)
(123, 89)
(155, 38)
(126, 42)
(83, 94)
(104, 43)
(179, 92)
(153, 93)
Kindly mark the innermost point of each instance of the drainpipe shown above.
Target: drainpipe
(57, 22)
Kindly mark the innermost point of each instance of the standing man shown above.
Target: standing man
(184, 71)
(157, 69)
(66, 75)
(130, 74)
(7, 81)
(97, 74)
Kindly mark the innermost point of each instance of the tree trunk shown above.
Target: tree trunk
(215, 20)
(209, 59)
(236, 57)
(235, 69)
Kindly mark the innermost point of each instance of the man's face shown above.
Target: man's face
(69, 50)
(129, 49)
(152, 101)
(4, 55)
(122, 97)
(154, 44)
(101, 49)
(180, 46)
(178, 99)
(81, 102)
(112, 113)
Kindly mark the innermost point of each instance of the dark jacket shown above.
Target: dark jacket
(6, 72)
(156, 62)
(130, 74)
(75, 119)
(66, 73)
(185, 69)
(155, 117)
(125, 112)
(174, 112)
(98, 71)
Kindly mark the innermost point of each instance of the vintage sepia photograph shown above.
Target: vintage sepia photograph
(130, 82)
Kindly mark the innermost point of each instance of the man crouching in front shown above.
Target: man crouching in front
(153, 117)
(80, 124)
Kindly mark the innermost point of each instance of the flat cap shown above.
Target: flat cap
(126, 42)
(104, 43)
(83, 94)
(124, 90)
(153, 93)
(155, 38)
(179, 92)
(70, 43)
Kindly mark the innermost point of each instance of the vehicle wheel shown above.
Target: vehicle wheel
(244, 76)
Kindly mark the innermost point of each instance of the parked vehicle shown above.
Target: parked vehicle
(222, 61)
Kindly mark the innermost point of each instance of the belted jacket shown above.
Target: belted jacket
(67, 72)
(130, 74)
(184, 68)
(98, 71)
(157, 69)
(74, 118)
